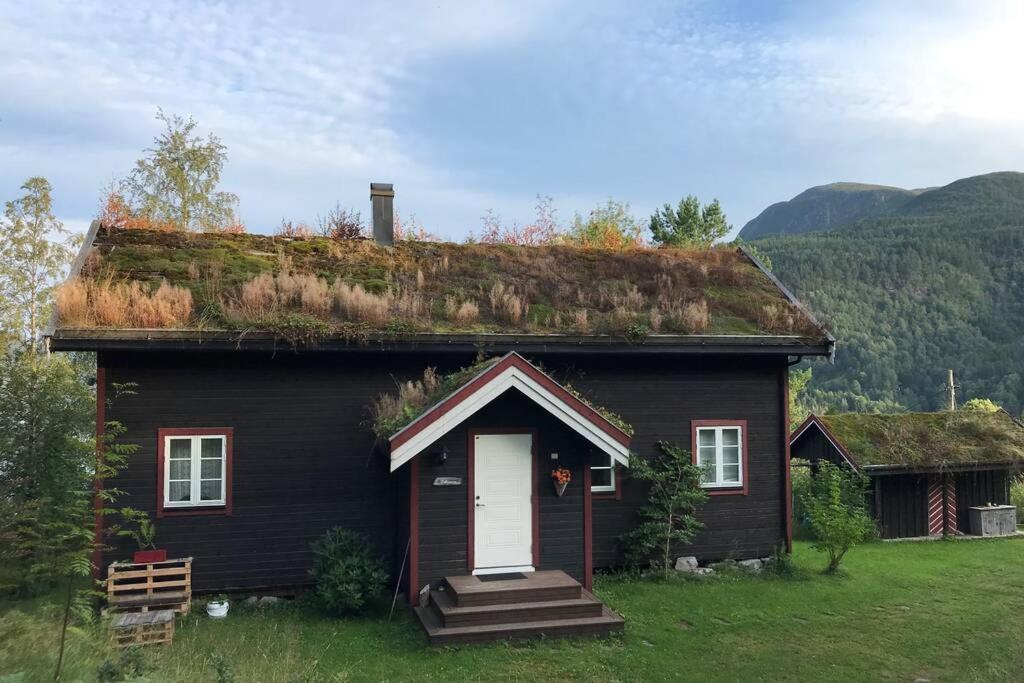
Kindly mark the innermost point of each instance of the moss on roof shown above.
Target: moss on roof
(928, 439)
(354, 286)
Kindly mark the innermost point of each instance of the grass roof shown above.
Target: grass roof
(176, 280)
(929, 439)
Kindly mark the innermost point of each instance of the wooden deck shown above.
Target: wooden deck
(466, 609)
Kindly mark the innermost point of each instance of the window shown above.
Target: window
(719, 454)
(196, 469)
(602, 473)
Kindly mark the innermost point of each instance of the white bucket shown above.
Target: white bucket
(217, 610)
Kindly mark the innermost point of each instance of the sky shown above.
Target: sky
(470, 107)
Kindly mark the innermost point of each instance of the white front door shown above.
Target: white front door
(503, 523)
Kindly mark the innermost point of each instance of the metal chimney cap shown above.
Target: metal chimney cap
(381, 190)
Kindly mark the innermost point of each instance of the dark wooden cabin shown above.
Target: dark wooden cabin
(926, 469)
(251, 404)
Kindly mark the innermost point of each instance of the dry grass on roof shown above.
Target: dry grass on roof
(929, 439)
(244, 281)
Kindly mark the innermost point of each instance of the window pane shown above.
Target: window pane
(180, 449)
(708, 475)
(705, 437)
(209, 490)
(731, 455)
(730, 437)
(211, 448)
(180, 469)
(210, 469)
(179, 491)
(707, 456)
(731, 473)
(601, 477)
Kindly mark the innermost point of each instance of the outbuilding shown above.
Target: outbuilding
(927, 470)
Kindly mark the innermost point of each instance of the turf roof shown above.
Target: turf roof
(561, 289)
(928, 439)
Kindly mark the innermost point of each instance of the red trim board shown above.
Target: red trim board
(788, 485)
(101, 418)
(161, 434)
(588, 530)
(414, 531)
(511, 370)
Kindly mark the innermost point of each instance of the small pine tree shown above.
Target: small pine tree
(669, 517)
(689, 224)
(835, 505)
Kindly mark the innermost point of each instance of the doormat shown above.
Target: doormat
(501, 577)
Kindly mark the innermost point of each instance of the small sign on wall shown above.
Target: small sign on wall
(447, 481)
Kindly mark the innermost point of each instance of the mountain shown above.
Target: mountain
(828, 207)
(937, 283)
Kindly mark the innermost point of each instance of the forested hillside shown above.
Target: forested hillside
(939, 286)
(826, 207)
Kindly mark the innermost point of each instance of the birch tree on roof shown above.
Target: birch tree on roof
(176, 182)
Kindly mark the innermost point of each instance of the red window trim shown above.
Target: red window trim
(228, 433)
(742, 424)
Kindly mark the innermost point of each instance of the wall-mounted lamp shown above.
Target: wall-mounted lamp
(442, 457)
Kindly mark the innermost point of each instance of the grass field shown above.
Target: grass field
(899, 611)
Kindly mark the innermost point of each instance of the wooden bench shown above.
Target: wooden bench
(143, 628)
(152, 586)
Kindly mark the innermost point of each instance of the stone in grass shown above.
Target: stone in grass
(752, 566)
(724, 565)
(704, 571)
(270, 600)
(686, 564)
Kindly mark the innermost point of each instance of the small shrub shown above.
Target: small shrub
(223, 669)
(669, 517)
(341, 224)
(346, 572)
(293, 229)
(1017, 497)
(780, 564)
(129, 666)
(835, 506)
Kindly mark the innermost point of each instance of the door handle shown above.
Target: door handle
(480, 505)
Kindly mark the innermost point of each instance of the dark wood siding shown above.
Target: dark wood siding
(813, 446)
(444, 510)
(659, 397)
(979, 487)
(304, 458)
(903, 509)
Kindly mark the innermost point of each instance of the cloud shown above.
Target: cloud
(470, 108)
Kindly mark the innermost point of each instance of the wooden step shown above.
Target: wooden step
(470, 591)
(452, 614)
(607, 622)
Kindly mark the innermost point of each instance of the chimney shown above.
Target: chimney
(382, 197)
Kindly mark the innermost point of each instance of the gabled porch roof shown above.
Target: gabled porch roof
(511, 371)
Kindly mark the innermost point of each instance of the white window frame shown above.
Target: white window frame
(719, 470)
(195, 471)
(604, 488)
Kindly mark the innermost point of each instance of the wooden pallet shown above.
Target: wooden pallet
(143, 628)
(151, 586)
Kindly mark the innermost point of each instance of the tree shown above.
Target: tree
(669, 516)
(45, 426)
(542, 230)
(34, 250)
(341, 224)
(689, 224)
(176, 182)
(798, 381)
(609, 226)
(835, 506)
(981, 405)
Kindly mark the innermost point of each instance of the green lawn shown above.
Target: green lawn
(940, 610)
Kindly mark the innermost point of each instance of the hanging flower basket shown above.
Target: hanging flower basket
(561, 476)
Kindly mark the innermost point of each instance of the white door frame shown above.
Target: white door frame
(534, 552)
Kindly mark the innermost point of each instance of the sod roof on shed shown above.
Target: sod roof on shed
(928, 439)
(349, 288)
